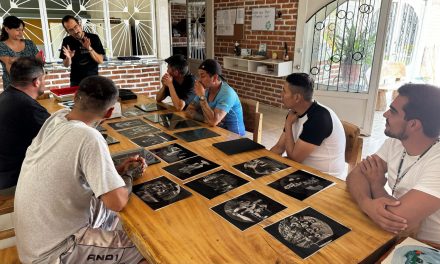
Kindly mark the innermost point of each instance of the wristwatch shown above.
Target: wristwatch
(202, 98)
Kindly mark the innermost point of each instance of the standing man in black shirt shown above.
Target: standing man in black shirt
(21, 117)
(178, 83)
(81, 50)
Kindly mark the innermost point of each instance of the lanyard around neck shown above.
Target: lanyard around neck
(400, 177)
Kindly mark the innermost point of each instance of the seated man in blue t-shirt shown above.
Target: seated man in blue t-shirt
(216, 102)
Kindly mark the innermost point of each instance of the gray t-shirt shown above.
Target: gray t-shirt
(65, 165)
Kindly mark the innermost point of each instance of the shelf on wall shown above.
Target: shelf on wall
(273, 68)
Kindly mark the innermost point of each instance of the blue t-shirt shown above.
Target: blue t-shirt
(228, 101)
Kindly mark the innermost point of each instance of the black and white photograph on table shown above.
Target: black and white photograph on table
(196, 134)
(160, 192)
(178, 124)
(100, 128)
(216, 183)
(173, 153)
(127, 124)
(307, 231)
(260, 167)
(301, 184)
(156, 118)
(110, 140)
(190, 167)
(150, 159)
(67, 104)
(248, 209)
(153, 139)
(132, 111)
(139, 131)
(150, 107)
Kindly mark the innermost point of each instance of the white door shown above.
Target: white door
(337, 43)
(200, 16)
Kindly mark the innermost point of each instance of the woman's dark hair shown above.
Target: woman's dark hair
(10, 22)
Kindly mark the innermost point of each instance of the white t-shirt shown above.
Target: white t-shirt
(320, 126)
(423, 176)
(65, 165)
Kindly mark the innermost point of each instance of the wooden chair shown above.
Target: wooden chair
(9, 255)
(353, 147)
(253, 120)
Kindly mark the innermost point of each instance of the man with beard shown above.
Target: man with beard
(21, 117)
(81, 50)
(411, 158)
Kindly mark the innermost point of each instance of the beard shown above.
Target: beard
(401, 135)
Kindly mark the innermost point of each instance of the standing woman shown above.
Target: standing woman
(12, 46)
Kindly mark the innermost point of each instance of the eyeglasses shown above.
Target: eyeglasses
(72, 30)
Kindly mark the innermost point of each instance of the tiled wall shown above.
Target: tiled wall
(264, 89)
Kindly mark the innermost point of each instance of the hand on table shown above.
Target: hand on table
(377, 210)
(132, 163)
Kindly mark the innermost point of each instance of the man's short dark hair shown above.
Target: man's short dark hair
(96, 94)
(25, 69)
(302, 81)
(67, 18)
(178, 62)
(423, 104)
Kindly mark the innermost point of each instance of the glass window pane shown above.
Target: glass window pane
(132, 27)
(90, 13)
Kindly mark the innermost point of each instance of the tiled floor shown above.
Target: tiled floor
(273, 122)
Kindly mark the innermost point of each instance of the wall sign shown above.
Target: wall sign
(263, 19)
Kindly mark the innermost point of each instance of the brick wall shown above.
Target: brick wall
(264, 89)
(178, 12)
(139, 78)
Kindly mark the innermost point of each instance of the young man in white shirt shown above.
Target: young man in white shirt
(411, 160)
(313, 134)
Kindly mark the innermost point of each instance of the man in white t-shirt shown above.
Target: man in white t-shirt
(411, 158)
(313, 134)
(66, 168)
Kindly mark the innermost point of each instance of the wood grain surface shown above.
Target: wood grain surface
(188, 231)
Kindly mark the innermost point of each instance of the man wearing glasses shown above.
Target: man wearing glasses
(81, 50)
(21, 117)
(410, 158)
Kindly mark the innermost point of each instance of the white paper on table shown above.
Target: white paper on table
(240, 16)
(117, 112)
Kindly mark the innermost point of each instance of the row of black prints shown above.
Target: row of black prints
(304, 232)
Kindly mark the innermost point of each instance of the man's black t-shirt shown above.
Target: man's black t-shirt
(83, 64)
(21, 117)
(185, 91)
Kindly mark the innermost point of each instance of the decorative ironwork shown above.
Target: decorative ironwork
(125, 27)
(196, 29)
(134, 34)
(341, 53)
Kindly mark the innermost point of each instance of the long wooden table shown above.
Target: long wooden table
(188, 231)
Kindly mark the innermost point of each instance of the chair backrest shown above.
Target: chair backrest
(253, 120)
(353, 147)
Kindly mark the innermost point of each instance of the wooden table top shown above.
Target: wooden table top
(188, 231)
